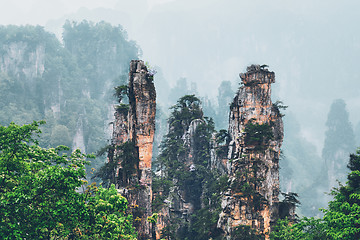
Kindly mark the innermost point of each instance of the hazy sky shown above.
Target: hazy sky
(40, 11)
(313, 46)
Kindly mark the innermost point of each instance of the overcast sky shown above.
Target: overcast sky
(313, 46)
(40, 11)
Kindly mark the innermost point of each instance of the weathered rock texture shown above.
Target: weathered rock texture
(20, 59)
(137, 126)
(181, 203)
(252, 164)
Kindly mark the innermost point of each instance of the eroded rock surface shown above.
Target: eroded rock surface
(137, 126)
(181, 203)
(253, 160)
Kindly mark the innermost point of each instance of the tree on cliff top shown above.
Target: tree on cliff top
(183, 112)
(198, 184)
(39, 197)
(187, 109)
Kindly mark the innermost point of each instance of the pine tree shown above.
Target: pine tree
(343, 216)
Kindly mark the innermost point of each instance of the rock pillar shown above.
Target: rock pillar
(136, 127)
(256, 135)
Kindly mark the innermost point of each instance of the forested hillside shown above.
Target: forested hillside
(216, 173)
(68, 84)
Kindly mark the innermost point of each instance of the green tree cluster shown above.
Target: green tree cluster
(41, 196)
(258, 135)
(121, 167)
(201, 185)
(67, 84)
(341, 219)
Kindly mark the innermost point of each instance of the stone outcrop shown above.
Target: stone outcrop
(135, 127)
(180, 204)
(21, 59)
(248, 154)
(255, 137)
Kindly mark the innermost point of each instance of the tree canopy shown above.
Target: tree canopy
(67, 84)
(42, 194)
(341, 220)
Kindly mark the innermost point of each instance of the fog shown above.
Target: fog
(312, 46)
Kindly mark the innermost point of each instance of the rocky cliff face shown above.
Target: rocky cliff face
(133, 136)
(182, 170)
(256, 135)
(181, 203)
(20, 59)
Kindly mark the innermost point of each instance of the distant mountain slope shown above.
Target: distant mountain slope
(69, 85)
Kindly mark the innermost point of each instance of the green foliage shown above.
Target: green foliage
(121, 91)
(201, 186)
(187, 109)
(222, 136)
(129, 162)
(204, 221)
(107, 173)
(104, 150)
(161, 189)
(285, 206)
(127, 157)
(291, 198)
(279, 105)
(172, 148)
(40, 198)
(341, 219)
(66, 84)
(244, 232)
(31, 35)
(305, 229)
(153, 218)
(204, 225)
(180, 89)
(123, 109)
(343, 214)
(246, 184)
(107, 210)
(169, 232)
(258, 134)
(202, 139)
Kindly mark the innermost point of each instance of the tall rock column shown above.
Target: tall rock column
(133, 137)
(256, 135)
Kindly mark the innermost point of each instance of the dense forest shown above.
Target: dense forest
(49, 191)
(69, 84)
